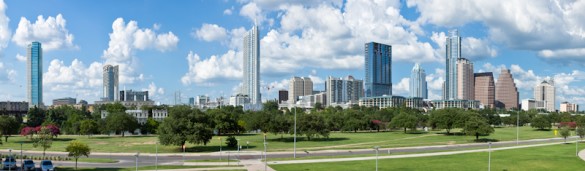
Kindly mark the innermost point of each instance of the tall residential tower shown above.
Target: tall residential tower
(34, 69)
(465, 80)
(545, 91)
(506, 91)
(418, 82)
(251, 82)
(110, 81)
(299, 86)
(378, 58)
(453, 53)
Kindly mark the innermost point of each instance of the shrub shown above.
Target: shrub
(231, 141)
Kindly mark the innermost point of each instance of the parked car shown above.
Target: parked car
(9, 163)
(47, 165)
(28, 165)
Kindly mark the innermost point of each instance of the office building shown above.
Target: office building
(545, 91)
(382, 101)
(506, 91)
(34, 69)
(239, 100)
(465, 80)
(569, 107)
(130, 95)
(530, 104)
(17, 109)
(346, 90)
(202, 101)
(299, 86)
(418, 82)
(462, 104)
(251, 82)
(191, 101)
(110, 81)
(485, 89)
(453, 53)
(64, 101)
(282, 96)
(378, 60)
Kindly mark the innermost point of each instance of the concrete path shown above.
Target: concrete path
(582, 154)
(409, 155)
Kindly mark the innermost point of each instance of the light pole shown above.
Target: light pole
(136, 155)
(238, 151)
(247, 145)
(220, 148)
(576, 142)
(10, 151)
(21, 160)
(517, 127)
(295, 136)
(265, 159)
(376, 148)
(489, 156)
(156, 158)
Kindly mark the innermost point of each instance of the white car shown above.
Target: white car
(47, 165)
(9, 163)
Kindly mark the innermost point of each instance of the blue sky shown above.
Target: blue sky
(195, 46)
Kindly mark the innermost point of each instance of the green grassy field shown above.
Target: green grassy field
(213, 160)
(133, 168)
(337, 140)
(95, 160)
(553, 157)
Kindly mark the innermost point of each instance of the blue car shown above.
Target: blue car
(28, 165)
(47, 165)
(9, 163)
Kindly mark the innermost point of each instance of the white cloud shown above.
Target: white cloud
(20, 57)
(471, 47)
(227, 66)
(4, 29)
(154, 91)
(402, 87)
(210, 32)
(435, 84)
(6, 75)
(51, 32)
(253, 12)
(78, 78)
(227, 12)
(125, 38)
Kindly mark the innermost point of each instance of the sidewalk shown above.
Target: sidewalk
(582, 155)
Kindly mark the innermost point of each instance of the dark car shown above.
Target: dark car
(28, 165)
(9, 163)
(47, 165)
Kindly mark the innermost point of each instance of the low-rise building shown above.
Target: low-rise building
(569, 107)
(159, 114)
(462, 104)
(528, 104)
(64, 101)
(13, 108)
(382, 101)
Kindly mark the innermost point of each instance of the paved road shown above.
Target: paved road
(128, 159)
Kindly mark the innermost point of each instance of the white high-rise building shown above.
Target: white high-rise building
(299, 86)
(110, 86)
(251, 82)
(453, 53)
(418, 82)
(545, 91)
(465, 80)
(342, 91)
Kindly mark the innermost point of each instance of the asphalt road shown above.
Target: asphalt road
(129, 160)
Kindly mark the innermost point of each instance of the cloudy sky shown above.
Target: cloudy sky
(195, 47)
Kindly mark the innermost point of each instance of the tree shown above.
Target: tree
(77, 149)
(88, 127)
(447, 119)
(354, 120)
(404, 120)
(565, 132)
(476, 126)
(581, 132)
(231, 141)
(149, 127)
(121, 122)
(44, 139)
(185, 125)
(541, 122)
(36, 116)
(312, 125)
(8, 126)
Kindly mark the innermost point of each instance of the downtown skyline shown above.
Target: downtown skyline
(161, 50)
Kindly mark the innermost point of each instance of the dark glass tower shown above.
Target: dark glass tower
(378, 69)
(34, 71)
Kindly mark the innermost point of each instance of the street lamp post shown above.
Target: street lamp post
(517, 128)
(576, 143)
(489, 156)
(10, 151)
(136, 155)
(220, 148)
(247, 145)
(238, 151)
(376, 148)
(265, 159)
(156, 158)
(295, 137)
(21, 160)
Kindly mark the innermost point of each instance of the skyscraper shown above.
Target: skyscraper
(545, 91)
(465, 80)
(110, 83)
(343, 90)
(251, 83)
(453, 53)
(418, 82)
(485, 89)
(299, 86)
(378, 69)
(506, 91)
(34, 69)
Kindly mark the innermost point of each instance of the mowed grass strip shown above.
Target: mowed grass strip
(160, 167)
(543, 158)
(337, 140)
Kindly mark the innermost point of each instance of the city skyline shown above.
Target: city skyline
(197, 55)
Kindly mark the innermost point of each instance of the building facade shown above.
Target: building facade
(282, 96)
(529, 104)
(545, 91)
(110, 83)
(343, 90)
(485, 89)
(251, 82)
(299, 86)
(14, 108)
(418, 82)
(569, 107)
(462, 104)
(453, 53)
(34, 69)
(239, 100)
(382, 101)
(506, 91)
(465, 80)
(378, 60)
(64, 101)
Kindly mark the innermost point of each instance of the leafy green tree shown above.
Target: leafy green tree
(318, 106)
(77, 149)
(354, 120)
(281, 124)
(311, 126)
(185, 125)
(231, 141)
(121, 122)
(8, 126)
(541, 122)
(88, 127)
(150, 126)
(565, 132)
(581, 132)
(44, 139)
(270, 105)
(404, 120)
(36, 116)
(447, 119)
(476, 125)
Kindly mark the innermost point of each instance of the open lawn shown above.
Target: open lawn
(133, 168)
(553, 157)
(337, 140)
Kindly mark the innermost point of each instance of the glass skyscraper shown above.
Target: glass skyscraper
(418, 82)
(453, 53)
(111, 88)
(378, 69)
(34, 69)
(251, 82)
